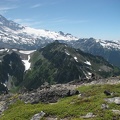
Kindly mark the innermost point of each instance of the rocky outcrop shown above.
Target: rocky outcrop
(115, 100)
(48, 95)
(88, 115)
(38, 116)
(5, 101)
(116, 112)
(3, 106)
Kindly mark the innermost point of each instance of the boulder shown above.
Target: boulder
(88, 115)
(107, 92)
(38, 116)
(115, 100)
(104, 106)
(51, 118)
(116, 112)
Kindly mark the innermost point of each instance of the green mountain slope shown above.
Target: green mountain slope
(58, 63)
(109, 50)
(55, 63)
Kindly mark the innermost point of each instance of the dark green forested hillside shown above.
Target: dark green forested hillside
(55, 63)
(58, 63)
(11, 65)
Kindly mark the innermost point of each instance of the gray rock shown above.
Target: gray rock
(5, 101)
(3, 106)
(116, 112)
(38, 116)
(54, 118)
(107, 92)
(88, 115)
(115, 100)
(79, 95)
(104, 106)
(48, 95)
(51, 118)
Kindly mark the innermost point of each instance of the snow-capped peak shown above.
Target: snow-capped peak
(38, 33)
(14, 34)
(109, 44)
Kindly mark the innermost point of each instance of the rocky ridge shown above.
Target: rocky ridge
(48, 94)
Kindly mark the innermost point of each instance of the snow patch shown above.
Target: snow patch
(76, 59)
(97, 40)
(4, 49)
(27, 63)
(1, 50)
(89, 73)
(87, 62)
(27, 52)
(14, 49)
(8, 50)
(4, 84)
(67, 53)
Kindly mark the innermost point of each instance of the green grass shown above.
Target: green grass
(70, 107)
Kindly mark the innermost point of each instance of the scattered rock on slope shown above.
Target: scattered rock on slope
(48, 95)
(115, 100)
(38, 116)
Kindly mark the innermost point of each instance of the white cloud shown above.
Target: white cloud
(7, 5)
(28, 22)
(12, 0)
(36, 6)
(22, 20)
(67, 21)
(5, 8)
(3, 12)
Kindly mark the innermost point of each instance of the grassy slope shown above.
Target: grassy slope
(70, 107)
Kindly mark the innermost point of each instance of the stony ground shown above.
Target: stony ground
(97, 100)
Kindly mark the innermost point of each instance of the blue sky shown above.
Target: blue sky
(82, 18)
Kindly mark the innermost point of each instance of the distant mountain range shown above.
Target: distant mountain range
(110, 50)
(55, 63)
(14, 35)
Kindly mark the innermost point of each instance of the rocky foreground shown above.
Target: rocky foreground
(45, 94)
(51, 94)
